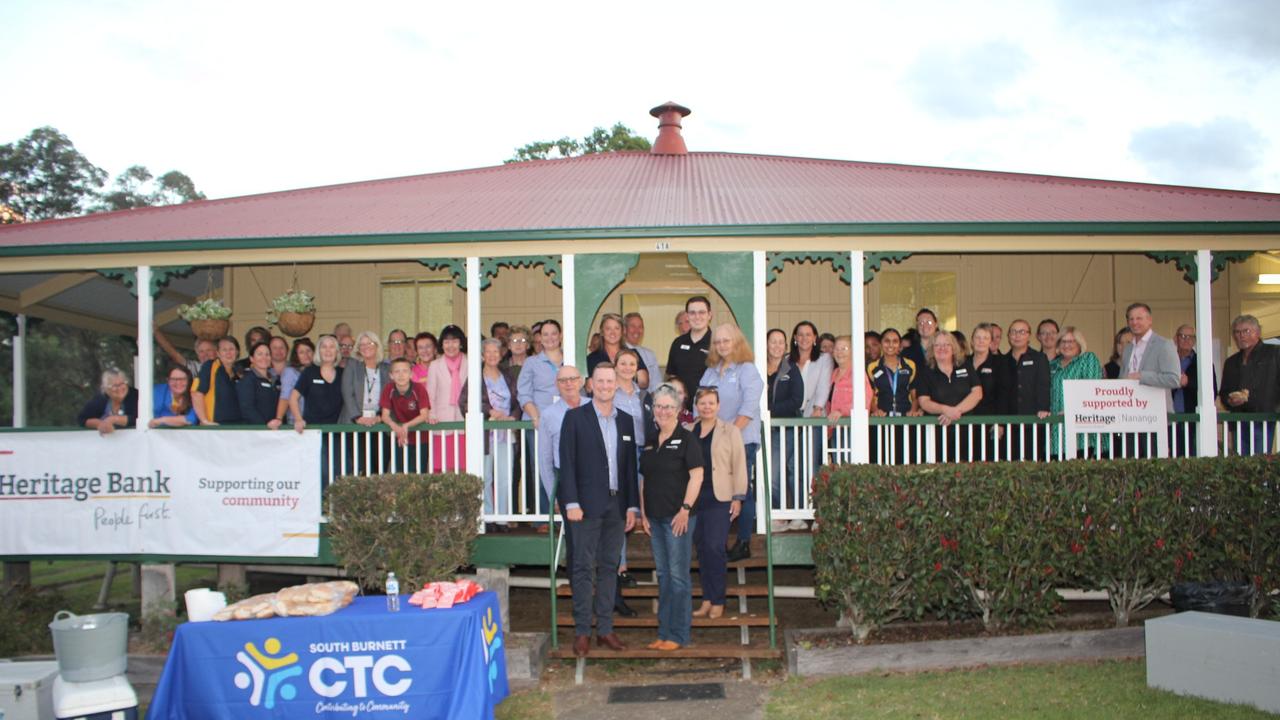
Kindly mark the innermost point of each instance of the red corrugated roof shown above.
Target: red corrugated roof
(643, 190)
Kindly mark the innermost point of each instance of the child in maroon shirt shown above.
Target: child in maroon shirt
(404, 403)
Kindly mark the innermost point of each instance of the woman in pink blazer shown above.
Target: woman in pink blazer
(446, 379)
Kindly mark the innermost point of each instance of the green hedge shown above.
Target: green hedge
(419, 526)
(997, 538)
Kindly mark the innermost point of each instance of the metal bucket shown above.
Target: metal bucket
(90, 647)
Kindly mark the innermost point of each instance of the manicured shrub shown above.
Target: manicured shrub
(419, 526)
(1001, 533)
(1138, 528)
(870, 537)
(893, 542)
(1247, 538)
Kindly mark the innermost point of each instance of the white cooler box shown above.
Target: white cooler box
(109, 699)
(26, 690)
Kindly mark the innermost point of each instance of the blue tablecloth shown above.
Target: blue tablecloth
(360, 662)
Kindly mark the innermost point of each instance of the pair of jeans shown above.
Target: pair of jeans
(747, 520)
(498, 472)
(671, 558)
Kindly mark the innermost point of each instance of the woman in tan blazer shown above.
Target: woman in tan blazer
(724, 488)
(446, 377)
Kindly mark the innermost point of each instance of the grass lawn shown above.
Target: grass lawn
(1113, 690)
(526, 705)
(78, 581)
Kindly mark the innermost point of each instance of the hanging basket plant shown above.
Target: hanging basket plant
(209, 318)
(294, 312)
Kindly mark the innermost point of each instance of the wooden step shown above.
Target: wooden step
(646, 620)
(693, 651)
(649, 590)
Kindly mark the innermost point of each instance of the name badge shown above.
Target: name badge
(705, 351)
(877, 374)
(684, 347)
(1025, 363)
(962, 373)
(986, 371)
(265, 384)
(626, 438)
(675, 442)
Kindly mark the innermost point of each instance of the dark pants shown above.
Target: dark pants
(597, 543)
(709, 536)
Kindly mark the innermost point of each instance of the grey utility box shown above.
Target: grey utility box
(1219, 657)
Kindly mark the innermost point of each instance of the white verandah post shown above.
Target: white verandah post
(474, 419)
(860, 423)
(1207, 427)
(20, 373)
(759, 347)
(569, 325)
(144, 380)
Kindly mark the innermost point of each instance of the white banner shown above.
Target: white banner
(1115, 406)
(160, 492)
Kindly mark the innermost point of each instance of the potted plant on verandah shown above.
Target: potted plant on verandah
(209, 318)
(294, 312)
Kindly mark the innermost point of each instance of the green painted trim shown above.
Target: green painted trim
(595, 276)
(507, 550)
(872, 261)
(550, 265)
(791, 549)
(774, 230)
(726, 272)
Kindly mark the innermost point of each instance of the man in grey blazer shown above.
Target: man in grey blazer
(1150, 359)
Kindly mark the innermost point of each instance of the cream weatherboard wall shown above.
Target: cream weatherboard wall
(1087, 290)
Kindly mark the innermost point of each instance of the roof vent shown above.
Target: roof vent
(670, 141)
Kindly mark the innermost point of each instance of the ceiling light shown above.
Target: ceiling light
(1269, 279)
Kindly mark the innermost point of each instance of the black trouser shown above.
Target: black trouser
(597, 544)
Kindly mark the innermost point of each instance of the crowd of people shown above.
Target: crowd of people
(670, 449)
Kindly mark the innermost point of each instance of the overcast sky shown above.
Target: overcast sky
(249, 97)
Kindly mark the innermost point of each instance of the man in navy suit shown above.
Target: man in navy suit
(599, 495)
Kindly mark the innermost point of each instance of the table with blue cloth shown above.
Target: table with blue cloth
(360, 662)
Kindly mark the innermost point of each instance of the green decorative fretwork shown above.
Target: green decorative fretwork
(457, 268)
(550, 265)
(1185, 262)
(871, 263)
(776, 260)
(160, 277)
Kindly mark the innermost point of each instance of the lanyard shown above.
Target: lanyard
(893, 389)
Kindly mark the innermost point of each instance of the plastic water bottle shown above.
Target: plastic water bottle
(393, 593)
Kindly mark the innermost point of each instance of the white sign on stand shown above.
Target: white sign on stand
(1114, 406)
(168, 492)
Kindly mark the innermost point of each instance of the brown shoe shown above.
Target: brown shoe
(610, 641)
(581, 644)
(702, 611)
(668, 646)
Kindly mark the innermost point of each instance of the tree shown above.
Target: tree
(137, 187)
(618, 138)
(43, 176)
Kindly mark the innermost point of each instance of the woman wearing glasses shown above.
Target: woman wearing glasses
(672, 467)
(171, 401)
(731, 369)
